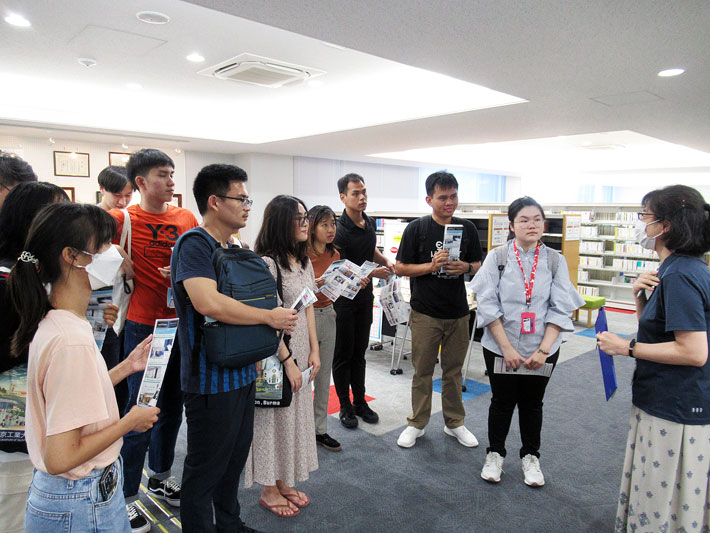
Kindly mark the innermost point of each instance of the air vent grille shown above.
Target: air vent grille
(261, 71)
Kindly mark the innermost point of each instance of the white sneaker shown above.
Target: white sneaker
(409, 436)
(493, 467)
(464, 436)
(531, 469)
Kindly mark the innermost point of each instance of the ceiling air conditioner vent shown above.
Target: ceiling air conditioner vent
(261, 71)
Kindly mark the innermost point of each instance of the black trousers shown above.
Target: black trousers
(508, 391)
(112, 352)
(352, 336)
(219, 433)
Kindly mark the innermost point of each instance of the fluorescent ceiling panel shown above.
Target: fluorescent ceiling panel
(599, 152)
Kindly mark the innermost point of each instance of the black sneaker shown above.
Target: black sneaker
(139, 524)
(246, 529)
(328, 442)
(165, 489)
(347, 417)
(368, 415)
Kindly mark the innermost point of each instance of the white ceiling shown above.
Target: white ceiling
(563, 57)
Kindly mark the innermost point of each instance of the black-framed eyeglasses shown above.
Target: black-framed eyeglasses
(642, 214)
(5, 187)
(246, 202)
(303, 220)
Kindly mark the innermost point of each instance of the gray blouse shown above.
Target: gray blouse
(553, 300)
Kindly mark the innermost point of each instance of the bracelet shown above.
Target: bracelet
(543, 351)
(290, 355)
(631, 348)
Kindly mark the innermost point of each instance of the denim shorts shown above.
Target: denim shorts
(56, 503)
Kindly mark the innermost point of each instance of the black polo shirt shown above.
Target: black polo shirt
(358, 245)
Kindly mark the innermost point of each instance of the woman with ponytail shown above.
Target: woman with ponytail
(665, 485)
(72, 425)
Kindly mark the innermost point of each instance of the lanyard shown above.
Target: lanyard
(528, 286)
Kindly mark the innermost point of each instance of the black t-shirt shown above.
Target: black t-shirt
(358, 245)
(437, 295)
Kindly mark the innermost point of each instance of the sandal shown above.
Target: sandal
(279, 509)
(297, 498)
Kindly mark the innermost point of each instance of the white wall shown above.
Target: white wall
(39, 153)
(194, 162)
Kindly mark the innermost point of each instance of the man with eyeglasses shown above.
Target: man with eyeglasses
(13, 170)
(356, 239)
(219, 402)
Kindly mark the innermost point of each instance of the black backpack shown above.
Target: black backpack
(244, 276)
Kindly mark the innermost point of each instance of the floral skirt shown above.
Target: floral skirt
(664, 486)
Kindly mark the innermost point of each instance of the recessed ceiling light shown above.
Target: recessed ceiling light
(671, 72)
(134, 86)
(152, 17)
(86, 61)
(178, 151)
(316, 83)
(124, 146)
(52, 141)
(195, 58)
(17, 20)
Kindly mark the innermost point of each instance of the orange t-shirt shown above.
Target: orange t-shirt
(68, 387)
(153, 236)
(320, 263)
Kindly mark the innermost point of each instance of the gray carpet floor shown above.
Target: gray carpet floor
(373, 485)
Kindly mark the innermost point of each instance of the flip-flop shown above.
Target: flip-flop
(274, 509)
(297, 497)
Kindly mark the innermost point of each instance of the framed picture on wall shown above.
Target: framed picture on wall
(75, 164)
(177, 200)
(70, 193)
(118, 159)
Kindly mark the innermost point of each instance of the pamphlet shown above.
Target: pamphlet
(343, 278)
(269, 378)
(305, 299)
(500, 368)
(13, 396)
(160, 348)
(606, 360)
(453, 234)
(100, 299)
(306, 375)
(396, 309)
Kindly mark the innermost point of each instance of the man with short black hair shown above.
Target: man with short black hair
(13, 170)
(155, 228)
(440, 314)
(356, 240)
(219, 402)
(116, 190)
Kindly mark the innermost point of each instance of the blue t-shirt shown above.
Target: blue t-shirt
(681, 302)
(194, 260)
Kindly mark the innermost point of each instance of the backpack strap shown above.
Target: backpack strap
(424, 225)
(199, 319)
(553, 260)
(280, 290)
(501, 253)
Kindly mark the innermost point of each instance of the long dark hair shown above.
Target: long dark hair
(276, 237)
(21, 205)
(57, 226)
(316, 214)
(688, 214)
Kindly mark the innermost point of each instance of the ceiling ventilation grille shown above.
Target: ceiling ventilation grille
(262, 71)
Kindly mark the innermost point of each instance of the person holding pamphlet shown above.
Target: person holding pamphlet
(322, 253)
(73, 429)
(435, 252)
(525, 299)
(284, 448)
(665, 479)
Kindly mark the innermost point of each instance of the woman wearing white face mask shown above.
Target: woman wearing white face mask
(665, 480)
(72, 426)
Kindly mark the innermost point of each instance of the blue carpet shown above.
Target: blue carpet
(473, 388)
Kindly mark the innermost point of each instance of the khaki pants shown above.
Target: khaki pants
(325, 328)
(428, 334)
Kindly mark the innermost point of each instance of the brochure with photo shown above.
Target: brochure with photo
(100, 299)
(453, 233)
(160, 349)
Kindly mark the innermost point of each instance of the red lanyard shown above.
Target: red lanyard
(528, 287)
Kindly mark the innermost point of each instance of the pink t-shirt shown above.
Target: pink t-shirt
(68, 387)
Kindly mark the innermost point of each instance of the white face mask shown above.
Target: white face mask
(643, 239)
(103, 268)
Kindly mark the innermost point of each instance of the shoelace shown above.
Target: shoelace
(531, 464)
(171, 484)
(132, 512)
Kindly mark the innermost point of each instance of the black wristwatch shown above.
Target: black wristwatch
(631, 347)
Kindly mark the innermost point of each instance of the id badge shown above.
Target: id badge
(171, 298)
(527, 322)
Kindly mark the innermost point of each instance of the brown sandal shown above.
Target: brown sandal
(279, 509)
(297, 498)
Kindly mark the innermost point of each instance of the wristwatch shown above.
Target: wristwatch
(470, 268)
(631, 347)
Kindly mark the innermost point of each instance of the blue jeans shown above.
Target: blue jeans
(160, 441)
(59, 504)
